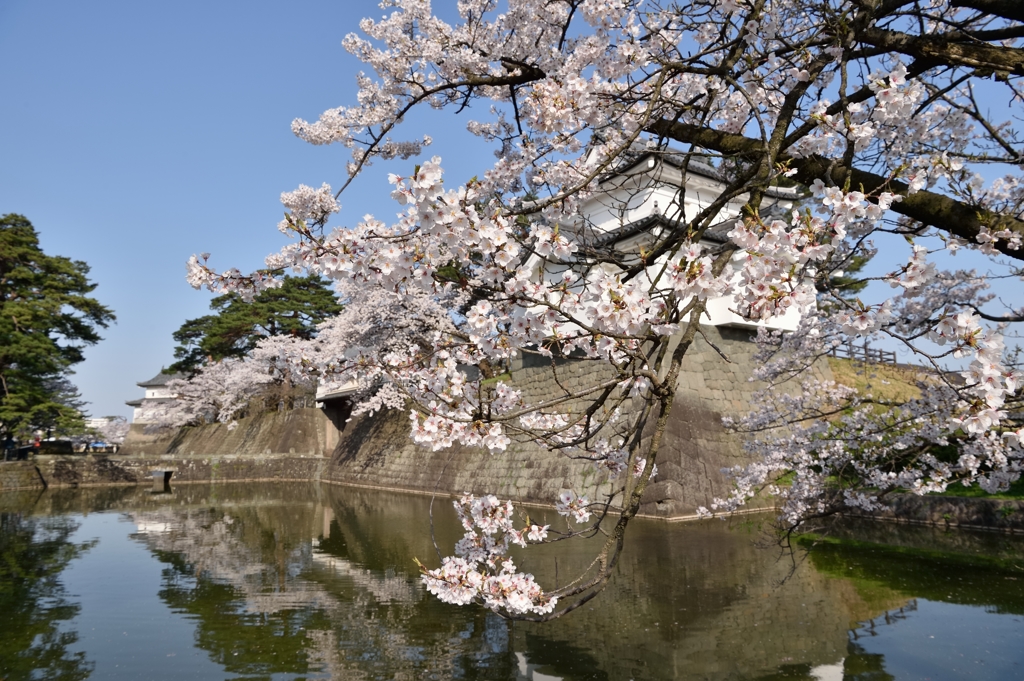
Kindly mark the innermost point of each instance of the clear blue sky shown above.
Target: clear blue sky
(135, 134)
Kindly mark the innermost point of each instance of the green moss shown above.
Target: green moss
(1016, 491)
(879, 571)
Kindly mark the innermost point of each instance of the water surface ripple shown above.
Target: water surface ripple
(299, 581)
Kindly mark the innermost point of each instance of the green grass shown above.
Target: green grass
(881, 381)
(880, 570)
(1016, 491)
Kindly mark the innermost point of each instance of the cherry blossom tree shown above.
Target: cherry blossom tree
(219, 391)
(114, 429)
(375, 322)
(227, 390)
(893, 123)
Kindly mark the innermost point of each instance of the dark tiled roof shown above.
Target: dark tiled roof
(715, 233)
(148, 400)
(678, 160)
(159, 380)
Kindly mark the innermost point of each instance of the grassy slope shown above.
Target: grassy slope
(881, 381)
(885, 382)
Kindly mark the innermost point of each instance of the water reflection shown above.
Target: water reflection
(286, 581)
(881, 559)
(34, 606)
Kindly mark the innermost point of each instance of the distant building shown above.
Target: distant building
(325, 392)
(103, 421)
(156, 392)
(650, 194)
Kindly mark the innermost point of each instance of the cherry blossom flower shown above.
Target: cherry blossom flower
(557, 252)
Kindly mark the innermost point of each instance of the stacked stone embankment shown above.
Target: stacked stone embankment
(287, 445)
(19, 475)
(296, 431)
(376, 450)
(975, 513)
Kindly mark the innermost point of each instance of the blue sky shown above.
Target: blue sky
(136, 134)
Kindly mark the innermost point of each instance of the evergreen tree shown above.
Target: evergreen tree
(40, 639)
(294, 309)
(46, 319)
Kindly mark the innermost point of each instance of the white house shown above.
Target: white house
(156, 392)
(647, 194)
(651, 192)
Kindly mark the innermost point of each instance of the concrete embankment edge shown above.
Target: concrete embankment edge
(376, 452)
(968, 513)
(1000, 515)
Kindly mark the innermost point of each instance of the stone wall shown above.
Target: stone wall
(85, 470)
(309, 444)
(298, 431)
(1004, 515)
(19, 475)
(289, 445)
(113, 469)
(376, 451)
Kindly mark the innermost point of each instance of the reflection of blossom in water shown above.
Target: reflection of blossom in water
(215, 549)
(385, 588)
(226, 550)
(828, 672)
(213, 546)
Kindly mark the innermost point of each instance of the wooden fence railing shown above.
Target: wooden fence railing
(864, 353)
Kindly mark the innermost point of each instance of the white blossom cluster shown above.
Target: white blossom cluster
(220, 392)
(481, 569)
(306, 204)
(114, 430)
(882, 133)
(825, 447)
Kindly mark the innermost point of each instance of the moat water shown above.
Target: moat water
(297, 581)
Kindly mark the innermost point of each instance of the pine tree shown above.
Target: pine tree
(294, 309)
(46, 320)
